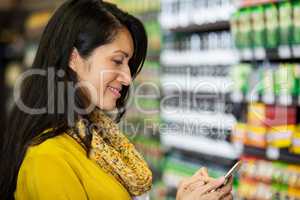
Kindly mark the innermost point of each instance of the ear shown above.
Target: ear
(74, 60)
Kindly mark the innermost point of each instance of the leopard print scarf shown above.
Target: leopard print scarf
(113, 152)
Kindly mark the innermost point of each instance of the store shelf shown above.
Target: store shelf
(204, 84)
(200, 144)
(209, 57)
(284, 100)
(272, 154)
(219, 121)
(280, 54)
(247, 3)
(197, 19)
(215, 26)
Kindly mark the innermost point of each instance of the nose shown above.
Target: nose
(125, 76)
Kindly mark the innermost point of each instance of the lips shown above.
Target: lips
(115, 91)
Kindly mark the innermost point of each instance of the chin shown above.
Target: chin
(109, 107)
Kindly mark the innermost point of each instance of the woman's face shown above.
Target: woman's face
(105, 72)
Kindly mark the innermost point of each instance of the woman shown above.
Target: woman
(61, 143)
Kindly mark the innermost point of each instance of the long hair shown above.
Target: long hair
(81, 24)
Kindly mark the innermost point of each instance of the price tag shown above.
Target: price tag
(259, 53)
(285, 100)
(247, 54)
(237, 96)
(239, 147)
(252, 97)
(272, 153)
(269, 98)
(284, 52)
(296, 51)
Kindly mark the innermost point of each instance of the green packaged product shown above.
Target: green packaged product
(285, 80)
(286, 22)
(258, 22)
(245, 28)
(296, 90)
(280, 191)
(240, 75)
(272, 26)
(296, 22)
(268, 80)
(235, 29)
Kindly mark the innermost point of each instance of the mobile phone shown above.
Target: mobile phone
(234, 169)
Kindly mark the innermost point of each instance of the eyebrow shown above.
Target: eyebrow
(123, 52)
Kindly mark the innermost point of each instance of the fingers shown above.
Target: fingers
(211, 196)
(199, 183)
(196, 185)
(199, 179)
(226, 190)
(223, 193)
(188, 181)
(230, 180)
(216, 195)
(187, 185)
(200, 176)
(228, 197)
(212, 185)
(202, 172)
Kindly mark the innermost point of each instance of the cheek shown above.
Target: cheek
(101, 77)
(103, 80)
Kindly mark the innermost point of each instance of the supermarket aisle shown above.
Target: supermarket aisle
(220, 83)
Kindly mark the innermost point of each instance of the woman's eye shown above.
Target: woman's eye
(117, 62)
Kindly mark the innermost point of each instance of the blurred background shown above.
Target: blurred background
(220, 83)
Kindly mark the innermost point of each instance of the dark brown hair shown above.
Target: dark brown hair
(85, 25)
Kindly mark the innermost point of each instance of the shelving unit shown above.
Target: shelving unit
(196, 57)
(266, 90)
(214, 26)
(273, 154)
(202, 57)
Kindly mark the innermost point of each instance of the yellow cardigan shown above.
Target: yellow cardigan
(59, 169)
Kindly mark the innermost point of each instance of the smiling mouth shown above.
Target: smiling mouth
(115, 91)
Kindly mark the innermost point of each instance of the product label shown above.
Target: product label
(296, 34)
(256, 136)
(295, 148)
(280, 136)
(245, 27)
(268, 81)
(258, 27)
(286, 22)
(272, 25)
(285, 80)
(239, 133)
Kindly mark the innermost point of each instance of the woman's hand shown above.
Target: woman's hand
(202, 187)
